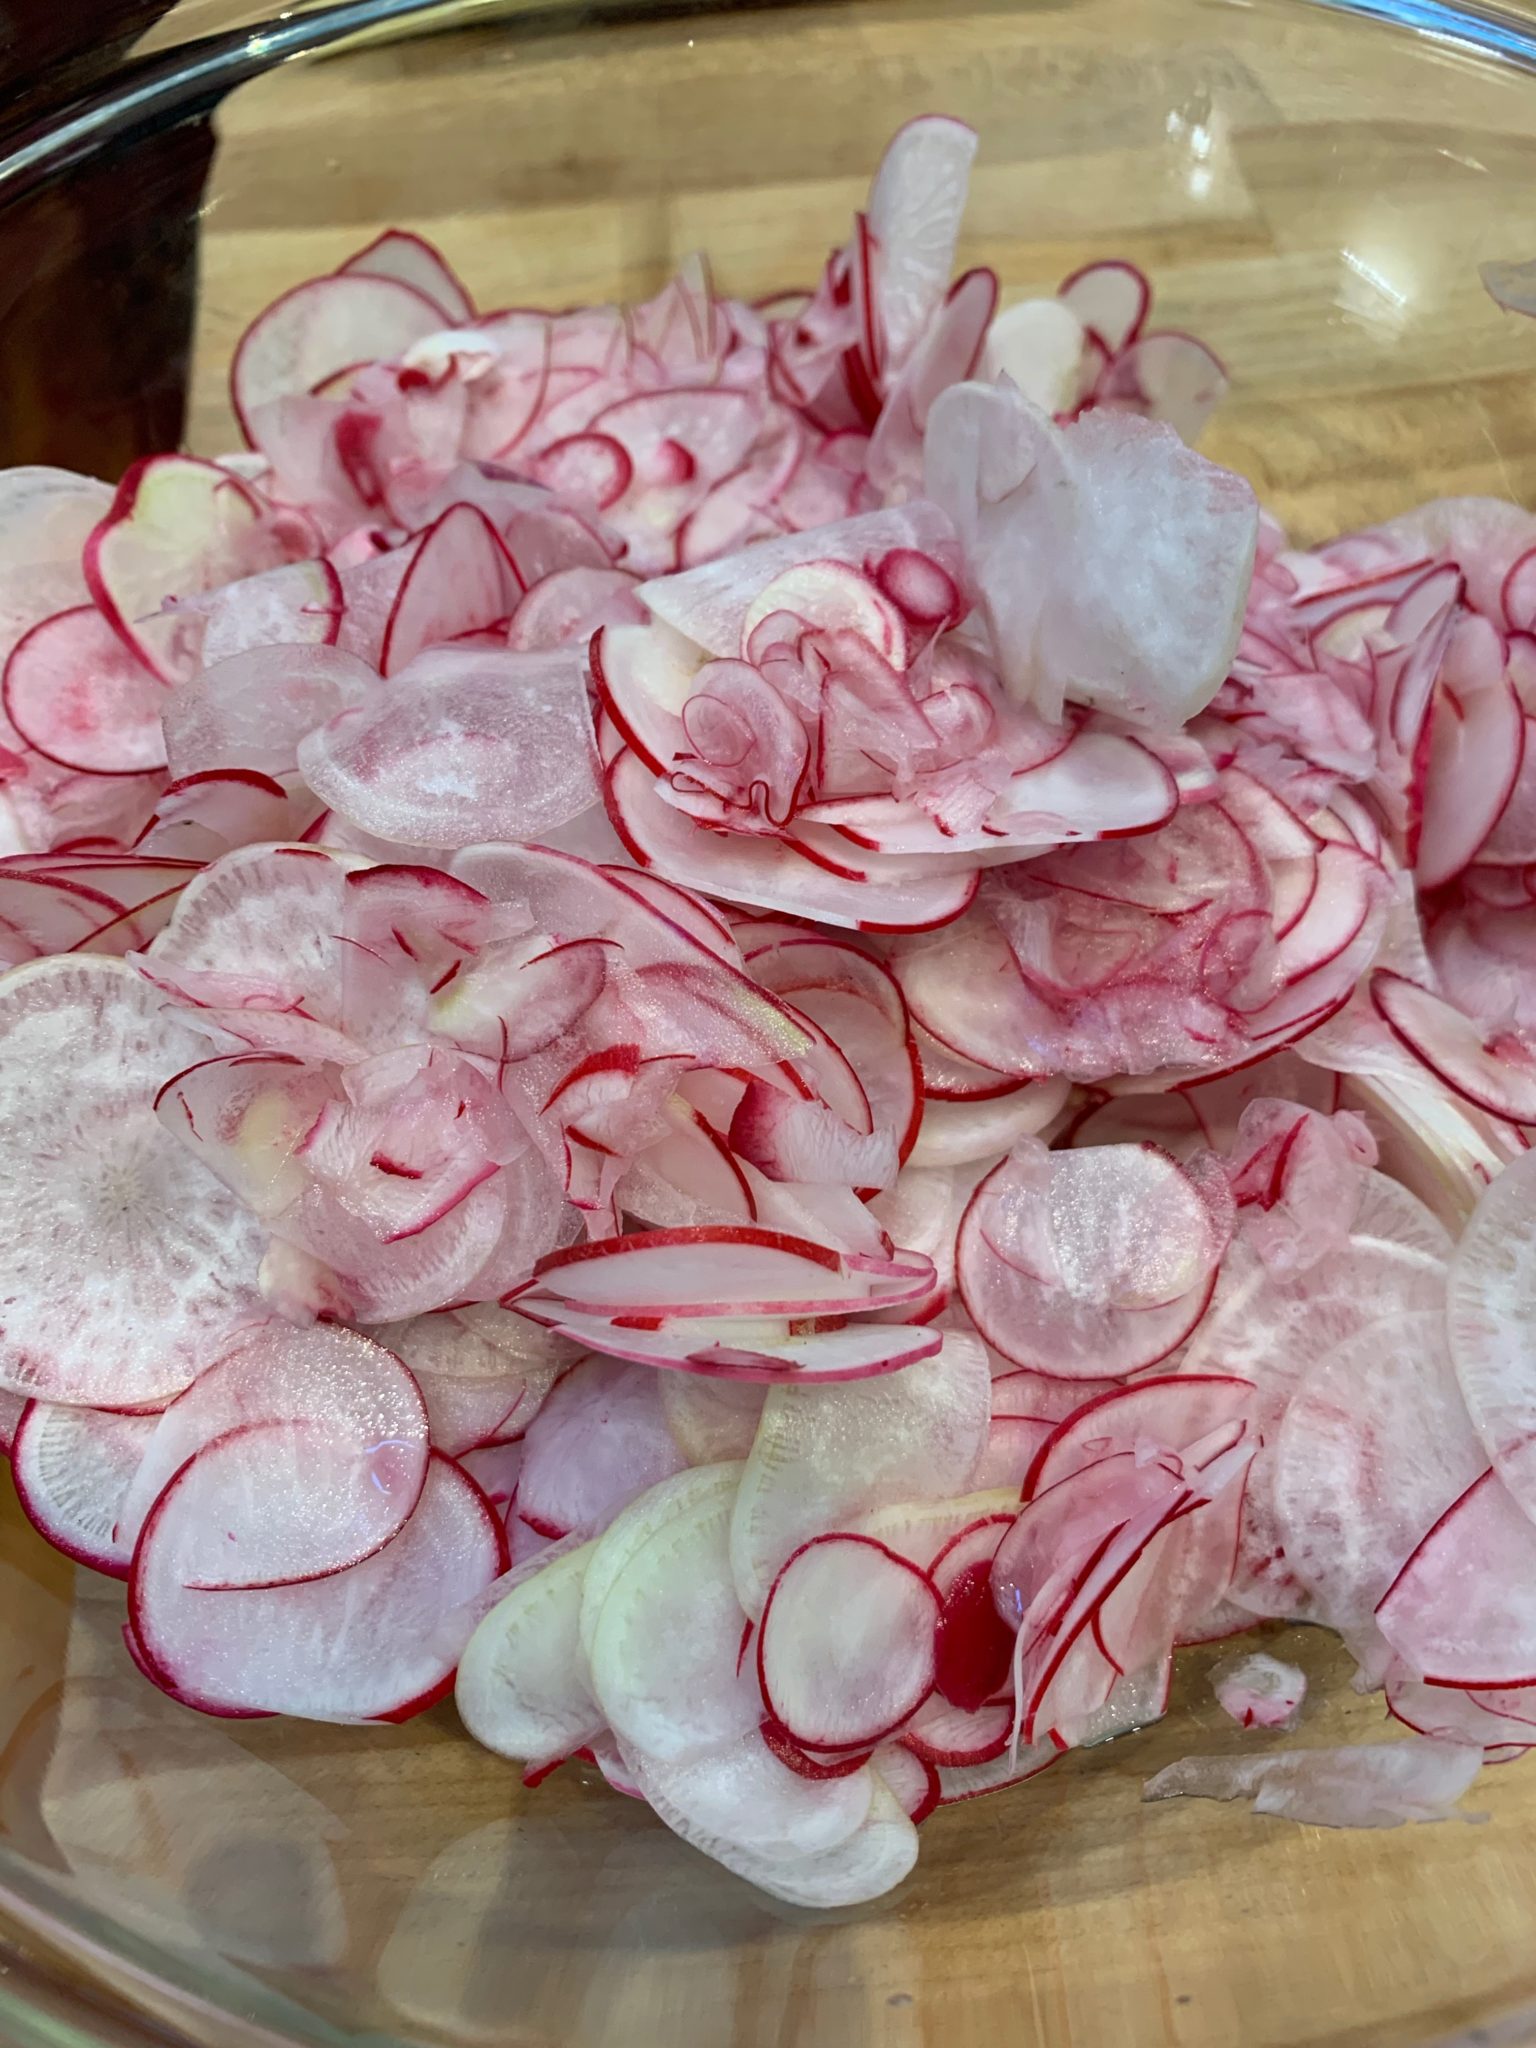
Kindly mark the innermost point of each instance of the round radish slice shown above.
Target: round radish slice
(371, 1643)
(600, 1439)
(1494, 1072)
(125, 1268)
(413, 260)
(958, 1133)
(321, 328)
(73, 1467)
(1491, 1317)
(1172, 1413)
(77, 694)
(1013, 1261)
(523, 1688)
(328, 1493)
(666, 1660)
(974, 1781)
(1375, 1446)
(483, 1372)
(845, 1653)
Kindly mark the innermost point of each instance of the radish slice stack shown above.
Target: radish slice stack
(752, 1030)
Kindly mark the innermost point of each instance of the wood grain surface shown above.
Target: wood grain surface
(1312, 197)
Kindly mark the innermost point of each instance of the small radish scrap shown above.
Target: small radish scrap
(751, 1030)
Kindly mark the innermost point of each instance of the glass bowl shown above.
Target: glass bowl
(1312, 188)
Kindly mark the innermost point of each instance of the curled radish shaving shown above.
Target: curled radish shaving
(1259, 1691)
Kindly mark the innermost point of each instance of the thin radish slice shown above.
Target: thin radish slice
(826, 1454)
(178, 527)
(1494, 1072)
(413, 260)
(523, 1688)
(1375, 1785)
(1462, 1611)
(465, 747)
(634, 1527)
(483, 1372)
(1111, 299)
(335, 1490)
(321, 328)
(83, 699)
(1491, 1719)
(300, 604)
(749, 1271)
(1476, 743)
(976, 1780)
(1171, 1413)
(845, 1651)
(251, 709)
(154, 1276)
(923, 1530)
(760, 1352)
(959, 1133)
(1375, 1446)
(73, 1468)
(599, 1440)
(698, 1802)
(665, 1644)
(959, 1738)
(711, 1419)
(1490, 1316)
(913, 1780)
(915, 206)
(1258, 1691)
(376, 1642)
(1038, 1324)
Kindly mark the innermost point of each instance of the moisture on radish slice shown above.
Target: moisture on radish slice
(73, 1468)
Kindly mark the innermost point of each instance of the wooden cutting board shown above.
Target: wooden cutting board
(1313, 199)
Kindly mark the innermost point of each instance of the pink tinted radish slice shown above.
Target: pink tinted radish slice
(465, 747)
(412, 260)
(77, 694)
(252, 708)
(1258, 1691)
(1374, 1785)
(332, 1490)
(127, 1268)
(1462, 1610)
(1171, 1413)
(300, 604)
(1494, 1071)
(755, 1351)
(845, 1652)
(1376, 1444)
(915, 206)
(599, 1440)
(461, 580)
(73, 1468)
(483, 1372)
(374, 1642)
(1037, 1323)
(1491, 1318)
(320, 328)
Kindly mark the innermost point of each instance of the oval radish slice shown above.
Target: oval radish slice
(79, 696)
(956, 1737)
(523, 1688)
(1476, 741)
(1494, 1072)
(845, 1652)
(826, 1454)
(336, 1488)
(124, 1266)
(666, 1657)
(599, 1440)
(762, 1352)
(748, 1271)
(700, 1801)
(1375, 1446)
(320, 328)
(958, 1133)
(73, 1467)
(371, 1643)
(1491, 1318)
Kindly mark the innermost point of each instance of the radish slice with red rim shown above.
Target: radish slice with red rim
(328, 325)
(1494, 1072)
(73, 1468)
(913, 1779)
(83, 699)
(523, 1688)
(375, 1642)
(318, 1500)
(599, 1440)
(845, 1651)
(1489, 1315)
(155, 1276)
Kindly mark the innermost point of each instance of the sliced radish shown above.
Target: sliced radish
(413, 260)
(711, 1419)
(826, 1454)
(633, 1528)
(73, 1468)
(523, 1688)
(318, 329)
(375, 1642)
(763, 1351)
(665, 1640)
(913, 1780)
(1373, 1785)
(1489, 1318)
(1461, 1611)
(156, 1273)
(915, 206)
(83, 699)
(483, 1372)
(1494, 1072)
(845, 1650)
(959, 1133)
(599, 1440)
(1258, 1691)
(332, 1492)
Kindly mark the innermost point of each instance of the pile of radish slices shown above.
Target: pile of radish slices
(720, 1021)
